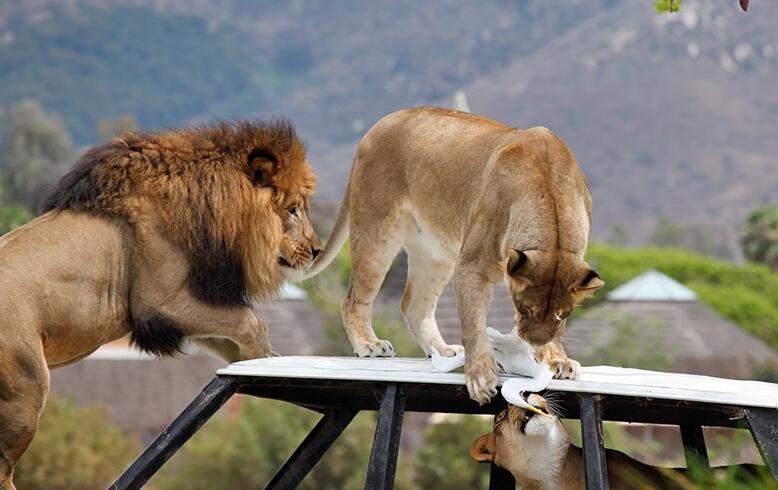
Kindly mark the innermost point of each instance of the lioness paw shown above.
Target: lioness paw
(481, 379)
(376, 348)
(565, 368)
(450, 350)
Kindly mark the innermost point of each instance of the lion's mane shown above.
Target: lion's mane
(211, 190)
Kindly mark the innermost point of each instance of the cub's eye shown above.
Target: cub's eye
(293, 210)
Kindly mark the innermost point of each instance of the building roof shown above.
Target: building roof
(652, 285)
(687, 335)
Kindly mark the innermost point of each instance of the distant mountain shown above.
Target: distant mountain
(673, 115)
(668, 114)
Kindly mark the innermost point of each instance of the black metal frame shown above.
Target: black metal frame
(340, 400)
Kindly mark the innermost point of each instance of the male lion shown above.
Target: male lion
(162, 236)
(467, 196)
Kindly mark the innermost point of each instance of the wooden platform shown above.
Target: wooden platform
(605, 380)
(340, 387)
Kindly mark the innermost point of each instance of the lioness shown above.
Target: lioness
(467, 196)
(162, 236)
(537, 451)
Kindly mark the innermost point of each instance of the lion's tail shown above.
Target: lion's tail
(337, 238)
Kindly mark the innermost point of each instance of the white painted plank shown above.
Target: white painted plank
(596, 379)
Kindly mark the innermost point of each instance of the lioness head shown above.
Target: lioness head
(520, 436)
(545, 287)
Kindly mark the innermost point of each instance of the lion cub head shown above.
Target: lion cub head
(545, 287)
(522, 441)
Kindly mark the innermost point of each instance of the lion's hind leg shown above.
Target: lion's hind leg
(374, 243)
(24, 384)
(427, 277)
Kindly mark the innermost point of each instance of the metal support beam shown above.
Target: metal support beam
(694, 445)
(311, 450)
(763, 423)
(386, 443)
(595, 467)
(213, 396)
(501, 479)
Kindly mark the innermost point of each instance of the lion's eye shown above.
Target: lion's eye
(293, 210)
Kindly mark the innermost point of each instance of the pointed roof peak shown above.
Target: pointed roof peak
(652, 285)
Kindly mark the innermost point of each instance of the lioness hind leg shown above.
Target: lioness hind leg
(24, 383)
(374, 243)
(427, 277)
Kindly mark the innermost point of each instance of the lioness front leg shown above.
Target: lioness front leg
(473, 294)
(555, 356)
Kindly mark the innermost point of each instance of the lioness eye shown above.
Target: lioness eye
(293, 210)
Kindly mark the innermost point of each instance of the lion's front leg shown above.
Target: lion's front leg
(473, 294)
(555, 356)
(244, 337)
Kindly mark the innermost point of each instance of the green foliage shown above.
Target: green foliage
(244, 451)
(744, 294)
(632, 346)
(35, 151)
(443, 460)
(671, 6)
(74, 448)
(759, 236)
(691, 236)
(11, 216)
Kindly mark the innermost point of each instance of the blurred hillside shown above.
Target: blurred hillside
(668, 114)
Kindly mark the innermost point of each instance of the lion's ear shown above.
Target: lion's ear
(516, 260)
(589, 283)
(262, 166)
(483, 448)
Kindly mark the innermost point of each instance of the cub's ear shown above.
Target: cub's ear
(590, 282)
(483, 448)
(262, 166)
(516, 260)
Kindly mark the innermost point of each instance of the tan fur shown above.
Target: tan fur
(133, 241)
(542, 457)
(471, 198)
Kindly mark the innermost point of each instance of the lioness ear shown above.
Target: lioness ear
(588, 285)
(262, 163)
(483, 448)
(516, 261)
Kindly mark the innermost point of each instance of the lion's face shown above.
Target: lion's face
(545, 287)
(299, 243)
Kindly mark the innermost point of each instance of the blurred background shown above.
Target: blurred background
(671, 115)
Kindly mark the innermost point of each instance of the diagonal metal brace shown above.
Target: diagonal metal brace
(311, 450)
(213, 396)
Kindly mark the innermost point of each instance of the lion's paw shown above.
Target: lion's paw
(481, 379)
(376, 348)
(450, 350)
(565, 368)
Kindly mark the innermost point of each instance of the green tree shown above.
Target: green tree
(75, 447)
(671, 6)
(691, 236)
(35, 151)
(744, 294)
(443, 460)
(759, 236)
(11, 216)
(245, 450)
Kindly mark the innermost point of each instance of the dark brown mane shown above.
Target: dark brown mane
(200, 185)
